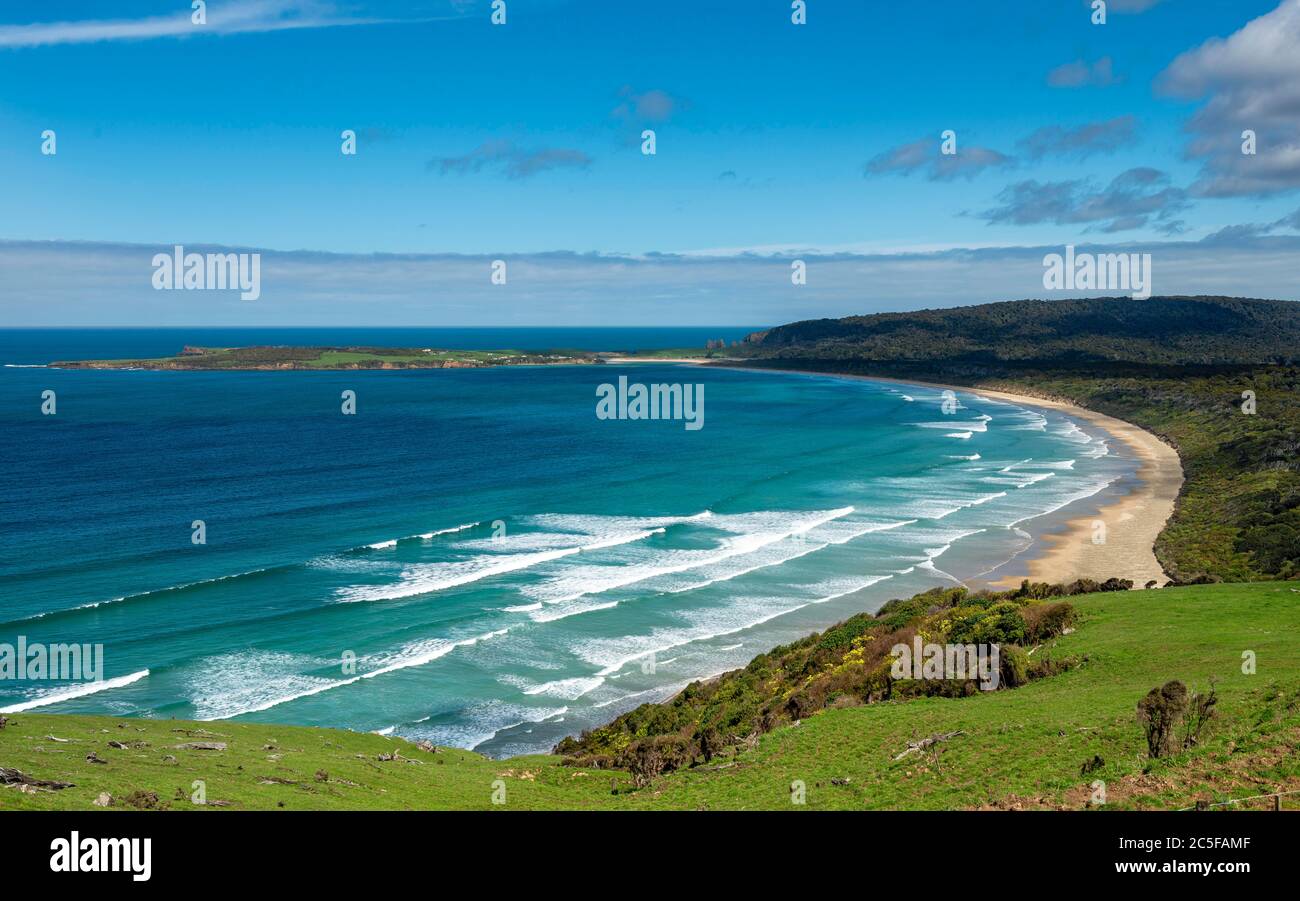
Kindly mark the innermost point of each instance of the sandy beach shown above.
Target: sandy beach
(1079, 549)
(1131, 523)
(698, 360)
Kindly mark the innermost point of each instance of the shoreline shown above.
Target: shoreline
(691, 360)
(1065, 552)
(1132, 521)
(1062, 548)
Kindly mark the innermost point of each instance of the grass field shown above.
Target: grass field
(1020, 748)
(332, 358)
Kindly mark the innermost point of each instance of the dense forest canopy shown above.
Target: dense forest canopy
(1158, 330)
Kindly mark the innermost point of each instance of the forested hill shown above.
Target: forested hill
(1157, 332)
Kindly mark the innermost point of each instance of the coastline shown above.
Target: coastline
(1132, 522)
(1051, 557)
(1063, 552)
(690, 360)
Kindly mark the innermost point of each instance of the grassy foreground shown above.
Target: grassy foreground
(1020, 748)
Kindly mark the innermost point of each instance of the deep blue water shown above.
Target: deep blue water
(504, 567)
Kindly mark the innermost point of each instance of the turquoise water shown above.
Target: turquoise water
(502, 567)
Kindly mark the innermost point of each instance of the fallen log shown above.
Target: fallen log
(10, 776)
(924, 743)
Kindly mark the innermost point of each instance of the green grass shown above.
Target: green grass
(331, 358)
(1030, 742)
(1022, 747)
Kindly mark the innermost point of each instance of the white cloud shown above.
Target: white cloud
(235, 17)
(513, 161)
(1081, 141)
(924, 153)
(647, 107)
(1081, 73)
(1132, 6)
(1249, 80)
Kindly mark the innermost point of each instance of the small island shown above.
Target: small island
(330, 358)
(281, 357)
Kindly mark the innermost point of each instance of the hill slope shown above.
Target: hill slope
(1023, 747)
(1151, 333)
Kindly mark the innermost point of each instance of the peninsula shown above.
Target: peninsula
(326, 358)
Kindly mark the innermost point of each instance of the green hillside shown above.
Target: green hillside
(850, 663)
(1021, 747)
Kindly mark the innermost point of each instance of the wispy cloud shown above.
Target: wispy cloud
(1236, 234)
(646, 107)
(1132, 199)
(1082, 141)
(1292, 221)
(1081, 73)
(926, 154)
(733, 178)
(1132, 6)
(511, 160)
(638, 109)
(234, 17)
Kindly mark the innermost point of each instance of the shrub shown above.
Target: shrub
(1014, 662)
(1041, 591)
(1000, 623)
(570, 745)
(899, 612)
(1160, 712)
(144, 800)
(848, 663)
(1042, 666)
(842, 636)
(1200, 710)
(1202, 579)
(1173, 720)
(650, 757)
(1045, 621)
(711, 743)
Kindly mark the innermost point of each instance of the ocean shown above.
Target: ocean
(474, 557)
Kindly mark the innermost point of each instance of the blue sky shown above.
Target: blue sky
(475, 139)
